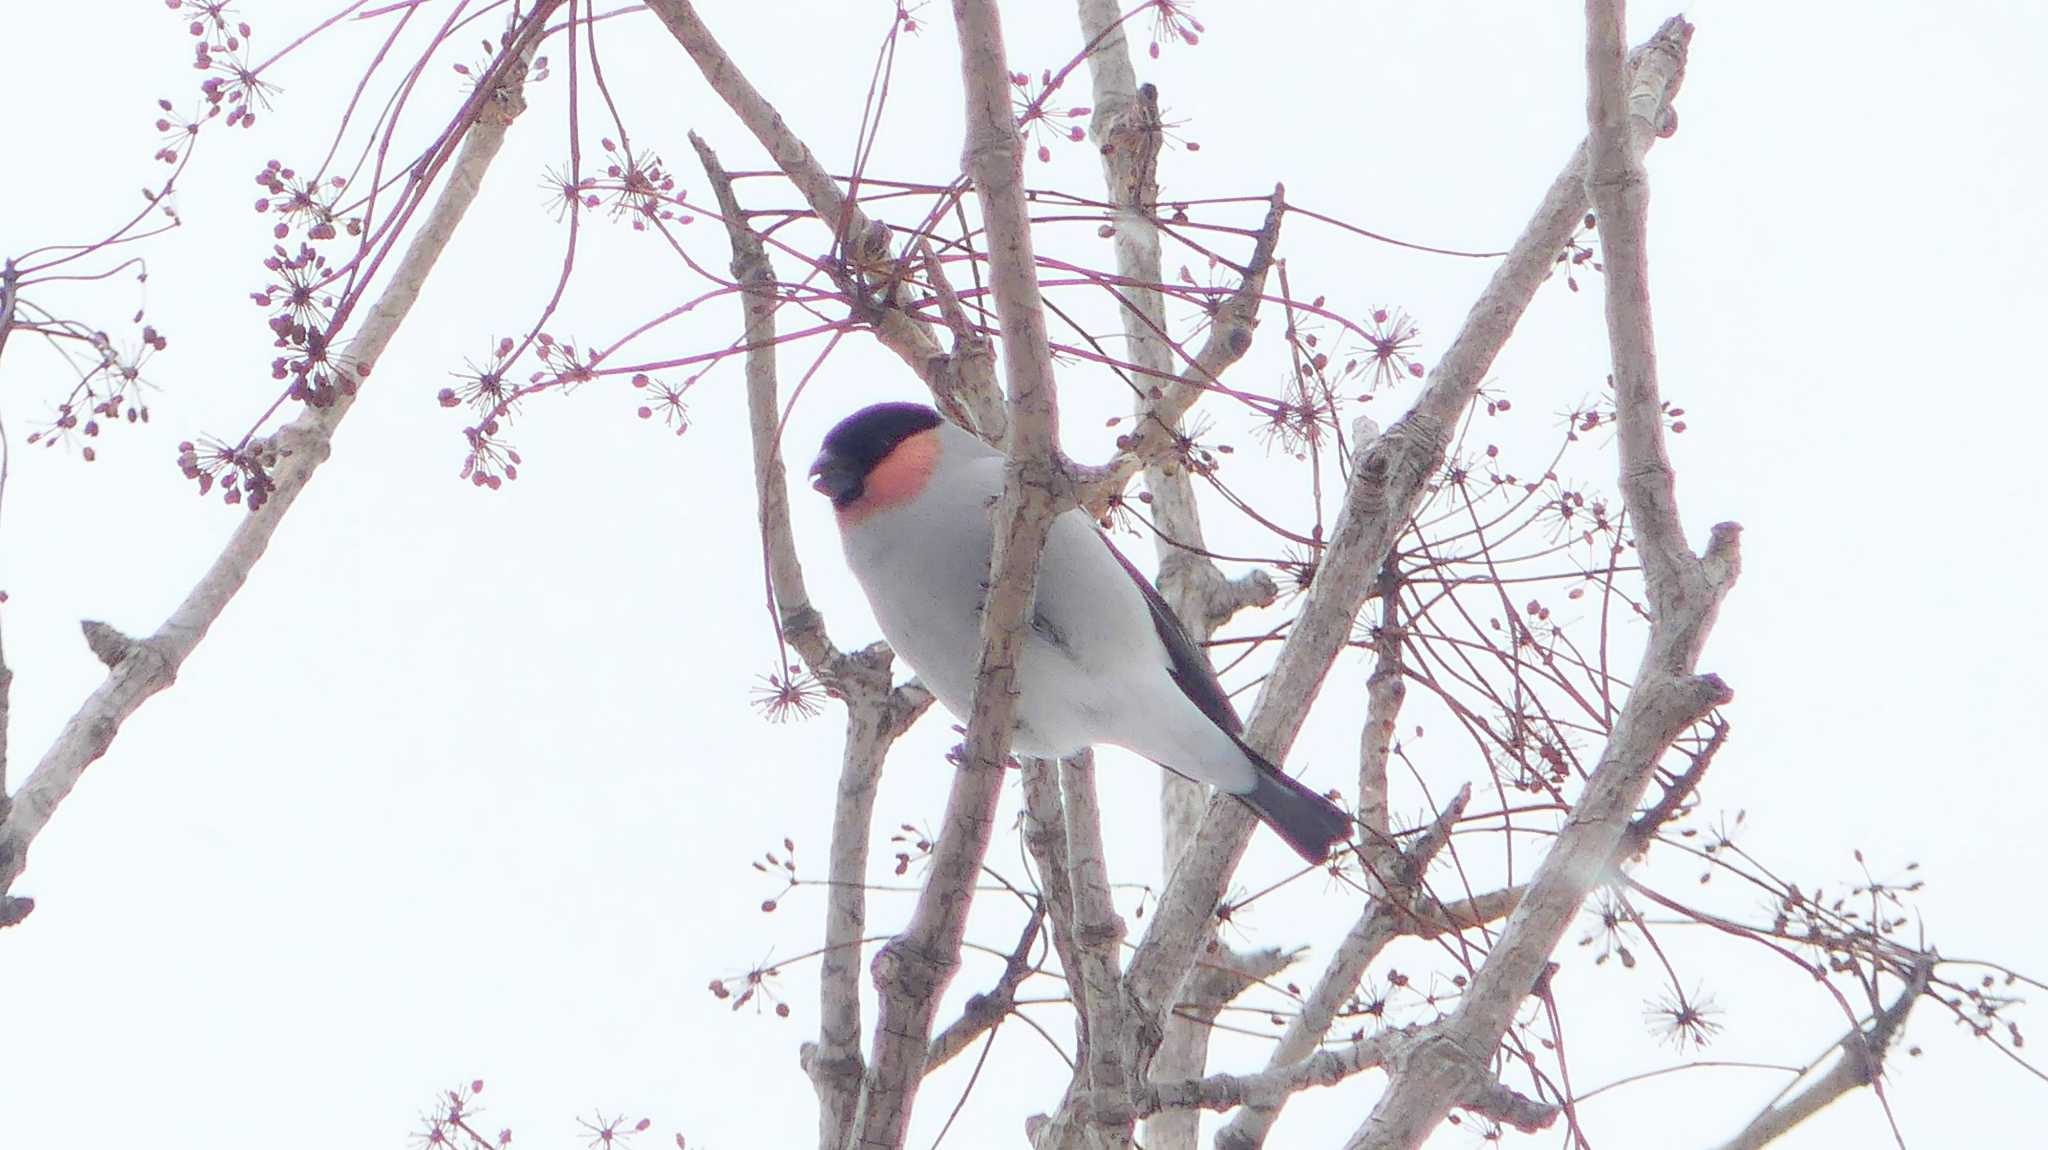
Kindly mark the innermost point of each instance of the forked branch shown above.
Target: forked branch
(1859, 1064)
(959, 380)
(1387, 483)
(876, 712)
(150, 664)
(913, 969)
(1685, 590)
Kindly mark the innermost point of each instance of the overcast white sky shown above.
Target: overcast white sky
(465, 785)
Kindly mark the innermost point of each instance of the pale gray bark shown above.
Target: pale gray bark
(963, 384)
(876, 712)
(1098, 941)
(139, 668)
(1127, 130)
(1387, 482)
(1123, 1015)
(985, 1011)
(1385, 690)
(1045, 836)
(1684, 590)
(11, 910)
(1858, 1062)
(1269, 1089)
(1143, 1029)
(1395, 881)
(913, 969)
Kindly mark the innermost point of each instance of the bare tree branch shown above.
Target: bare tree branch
(1385, 690)
(9, 289)
(1673, 803)
(875, 717)
(958, 381)
(984, 1012)
(1045, 836)
(1098, 937)
(963, 380)
(912, 970)
(801, 625)
(1270, 1088)
(1229, 338)
(106, 642)
(1095, 982)
(1620, 191)
(1129, 134)
(1531, 690)
(1221, 974)
(1861, 1063)
(1429, 918)
(1396, 879)
(1684, 590)
(149, 665)
(876, 714)
(1386, 484)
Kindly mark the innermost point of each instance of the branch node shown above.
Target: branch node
(1724, 553)
(1709, 691)
(1103, 933)
(107, 642)
(900, 969)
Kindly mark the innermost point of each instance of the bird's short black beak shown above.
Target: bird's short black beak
(836, 477)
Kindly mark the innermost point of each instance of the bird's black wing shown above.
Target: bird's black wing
(1190, 669)
(1310, 823)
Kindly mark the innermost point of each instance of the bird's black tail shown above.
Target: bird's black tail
(1310, 823)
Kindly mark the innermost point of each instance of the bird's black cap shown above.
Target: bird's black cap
(862, 440)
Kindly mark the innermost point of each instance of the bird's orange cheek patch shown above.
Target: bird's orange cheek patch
(899, 478)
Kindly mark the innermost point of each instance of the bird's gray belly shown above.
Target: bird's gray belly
(1057, 714)
(932, 619)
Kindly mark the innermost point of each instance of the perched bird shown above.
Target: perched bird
(1105, 662)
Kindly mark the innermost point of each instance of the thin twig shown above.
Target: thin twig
(852, 228)
(985, 1011)
(1685, 591)
(1398, 879)
(913, 969)
(1388, 481)
(300, 447)
(1861, 1063)
(876, 714)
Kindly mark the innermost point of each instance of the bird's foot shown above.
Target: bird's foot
(957, 756)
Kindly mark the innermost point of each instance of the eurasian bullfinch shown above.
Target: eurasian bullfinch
(1105, 662)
